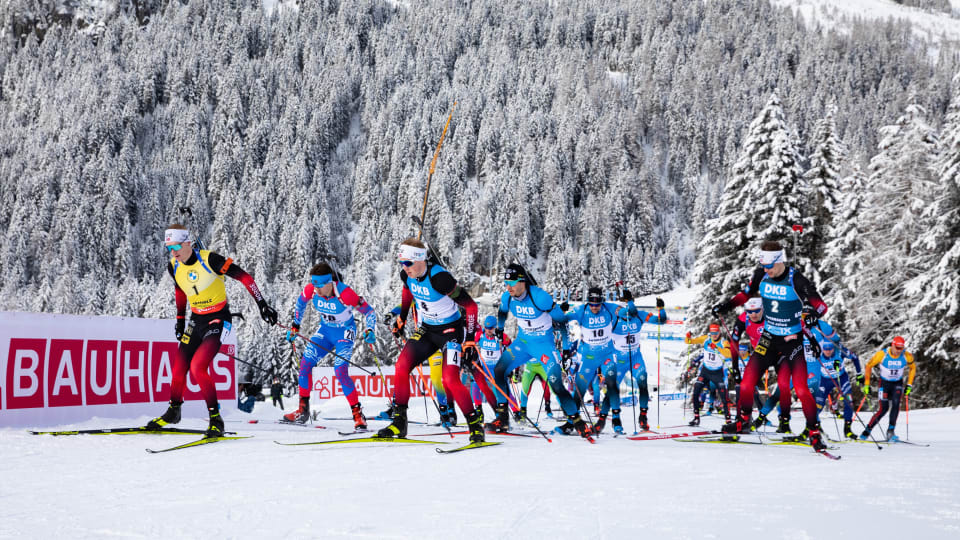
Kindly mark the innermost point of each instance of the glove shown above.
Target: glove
(837, 364)
(268, 314)
(810, 316)
(565, 306)
(866, 389)
(499, 333)
(860, 379)
(660, 304)
(736, 376)
(626, 295)
(470, 353)
(909, 388)
(178, 329)
(689, 337)
(292, 332)
(566, 359)
(718, 309)
(397, 328)
(370, 336)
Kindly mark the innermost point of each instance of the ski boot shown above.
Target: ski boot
(452, 411)
(617, 425)
(848, 430)
(215, 429)
(582, 428)
(359, 421)
(475, 425)
(815, 439)
(644, 424)
(891, 436)
(865, 435)
(760, 421)
(301, 415)
(546, 408)
(520, 415)
(601, 421)
(784, 426)
(696, 420)
(566, 428)
(502, 422)
(398, 427)
(170, 416)
(387, 414)
(445, 416)
(740, 425)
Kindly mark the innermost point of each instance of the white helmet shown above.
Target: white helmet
(754, 304)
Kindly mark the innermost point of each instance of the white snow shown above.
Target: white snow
(933, 26)
(107, 486)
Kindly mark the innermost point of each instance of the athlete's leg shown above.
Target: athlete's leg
(798, 369)
(896, 393)
(199, 364)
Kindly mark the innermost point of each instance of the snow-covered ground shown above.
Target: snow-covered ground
(933, 26)
(108, 486)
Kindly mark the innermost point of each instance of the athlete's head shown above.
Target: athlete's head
(744, 349)
(490, 325)
(754, 308)
(828, 348)
(177, 241)
(772, 258)
(413, 257)
(322, 277)
(714, 332)
(515, 278)
(595, 299)
(897, 345)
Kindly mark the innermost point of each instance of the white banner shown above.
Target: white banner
(57, 369)
(327, 386)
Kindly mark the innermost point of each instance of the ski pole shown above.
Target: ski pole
(377, 362)
(658, 376)
(634, 388)
(268, 372)
(857, 415)
(328, 351)
(433, 165)
(907, 398)
(479, 366)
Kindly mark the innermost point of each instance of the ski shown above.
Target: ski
(719, 440)
(297, 424)
(826, 454)
(467, 447)
(361, 440)
(655, 436)
(911, 443)
(465, 432)
(127, 431)
(205, 440)
(376, 418)
(354, 432)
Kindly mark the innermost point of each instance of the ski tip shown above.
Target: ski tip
(252, 421)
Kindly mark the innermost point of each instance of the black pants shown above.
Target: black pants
(890, 394)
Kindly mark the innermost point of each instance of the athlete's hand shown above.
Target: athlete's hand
(499, 334)
(688, 337)
(718, 309)
(470, 354)
(837, 364)
(397, 328)
(626, 295)
(268, 314)
(866, 389)
(860, 379)
(660, 304)
(178, 329)
(736, 376)
(909, 388)
(370, 336)
(292, 332)
(810, 316)
(565, 306)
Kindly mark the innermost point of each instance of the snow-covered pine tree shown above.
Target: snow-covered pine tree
(901, 186)
(934, 331)
(822, 200)
(839, 262)
(762, 200)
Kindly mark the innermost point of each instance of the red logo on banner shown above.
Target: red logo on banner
(63, 373)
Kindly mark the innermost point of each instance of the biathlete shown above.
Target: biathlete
(336, 303)
(893, 362)
(713, 372)
(198, 280)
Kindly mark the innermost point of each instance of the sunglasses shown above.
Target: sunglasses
(407, 264)
(714, 333)
(752, 311)
(511, 282)
(320, 281)
(594, 304)
(174, 247)
(767, 266)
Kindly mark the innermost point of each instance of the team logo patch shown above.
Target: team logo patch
(192, 276)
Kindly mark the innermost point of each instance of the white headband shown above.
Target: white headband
(411, 253)
(754, 303)
(771, 257)
(176, 236)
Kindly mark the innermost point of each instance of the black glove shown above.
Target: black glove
(837, 364)
(268, 314)
(565, 306)
(718, 309)
(810, 316)
(470, 355)
(626, 295)
(736, 376)
(397, 327)
(181, 324)
(565, 358)
(660, 303)
(499, 334)
(860, 379)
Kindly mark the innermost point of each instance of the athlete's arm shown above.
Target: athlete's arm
(349, 297)
(874, 361)
(741, 297)
(179, 296)
(808, 294)
(302, 300)
(911, 366)
(225, 266)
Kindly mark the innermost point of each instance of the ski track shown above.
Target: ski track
(107, 487)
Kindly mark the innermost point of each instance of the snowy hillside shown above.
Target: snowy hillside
(107, 486)
(933, 26)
